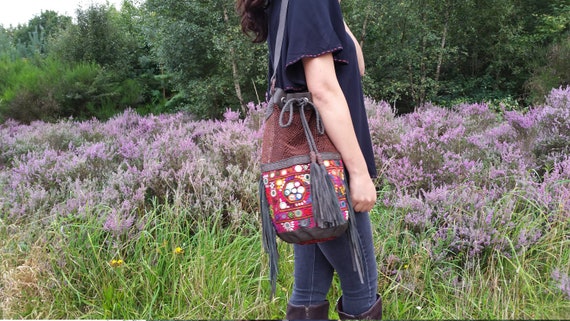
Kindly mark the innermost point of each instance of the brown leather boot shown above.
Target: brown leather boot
(374, 313)
(311, 312)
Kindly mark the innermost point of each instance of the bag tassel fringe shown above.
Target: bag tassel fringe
(269, 237)
(354, 240)
(326, 210)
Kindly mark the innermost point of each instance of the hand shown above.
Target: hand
(362, 193)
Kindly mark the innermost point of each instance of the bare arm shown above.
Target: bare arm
(333, 108)
(359, 54)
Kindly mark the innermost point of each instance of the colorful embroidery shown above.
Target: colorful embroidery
(289, 194)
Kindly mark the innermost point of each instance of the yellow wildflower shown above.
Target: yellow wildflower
(178, 251)
(116, 263)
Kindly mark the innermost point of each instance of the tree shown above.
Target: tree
(97, 37)
(553, 28)
(406, 45)
(212, 65)
(449, 50)
(7, 48)
(31, 38)
(109, 39)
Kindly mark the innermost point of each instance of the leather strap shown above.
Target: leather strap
(279, 42)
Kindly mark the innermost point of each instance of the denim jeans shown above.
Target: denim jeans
(315, 265)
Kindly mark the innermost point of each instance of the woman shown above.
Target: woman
(321, 55)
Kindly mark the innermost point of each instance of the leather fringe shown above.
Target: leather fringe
(326, 210)
(357, 257)
(269, 237)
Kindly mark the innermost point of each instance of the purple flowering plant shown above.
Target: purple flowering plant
(473, 181)
(71, 168)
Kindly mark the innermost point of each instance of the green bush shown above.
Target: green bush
(554, 74)
(52, 90)
(45, 91)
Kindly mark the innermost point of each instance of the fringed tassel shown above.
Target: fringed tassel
(269, 237)
(354, 240)
(326, 209)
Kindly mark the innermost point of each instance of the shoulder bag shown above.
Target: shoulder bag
(303, 191)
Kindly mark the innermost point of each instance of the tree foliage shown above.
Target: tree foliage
(211, 64)
(100, 37)
(90, 68)
(190, 55)
(427, 50)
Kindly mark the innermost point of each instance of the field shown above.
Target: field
(155, 217)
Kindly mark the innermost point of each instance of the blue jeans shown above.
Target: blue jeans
(315, 265)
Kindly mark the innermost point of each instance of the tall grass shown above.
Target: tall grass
(177, 267)
(497, 285)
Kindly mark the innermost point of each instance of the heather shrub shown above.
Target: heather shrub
(119, 167)
(552, 129)
(461, 175)
(465, 175)
(427, 150)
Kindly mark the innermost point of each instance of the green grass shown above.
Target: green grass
(65, 271)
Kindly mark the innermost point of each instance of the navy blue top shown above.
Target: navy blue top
(314, 28)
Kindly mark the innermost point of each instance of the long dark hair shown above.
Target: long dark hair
(253, 18)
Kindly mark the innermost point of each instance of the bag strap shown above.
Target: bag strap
(269, 238)
(279, 42)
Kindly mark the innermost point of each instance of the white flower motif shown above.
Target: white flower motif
(288, 226)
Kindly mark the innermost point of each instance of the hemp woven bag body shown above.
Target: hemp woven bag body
(302, 173)
(281, 143)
